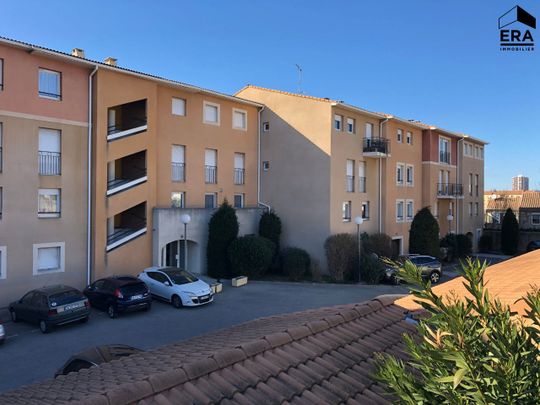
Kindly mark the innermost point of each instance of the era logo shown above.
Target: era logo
(516, 39)
(515, 36)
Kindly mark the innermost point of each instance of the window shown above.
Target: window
(266, 165)
(239, 201)
(48, 258)
(409, 137)
(349, 177)
(399, 174)
(369, 130)
(49, 84)
(365, 210)
(178, 165)
(400, 135)
(266, 126)
(1, 142)
(239, 171)
(210, 166)
(49, 156)
(1, 74)
(346, 214)
(481, 153)
(338, 122)
(476, 209)
(210, 200)
(211, 113)
(178, 106)
(410, 175)
(410, 210)
(476, 184)
(1, 198)
(351, 125)
(178, 199)
(49, 203)
(399, 210)
(444, 151)
(3, 261)
(535, 219)
(470, 184)
(470, 209)
(362, 177)
(477, 152)
(239, 119)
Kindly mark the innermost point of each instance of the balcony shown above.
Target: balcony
(444, 157)
(449, 190)
(239, 176)
(126, 119)
(126, 226)
(376, 147)
(349, 184)
(126, 173)
(178, 171)
(49, 163)
(361, 184)
(210, 174)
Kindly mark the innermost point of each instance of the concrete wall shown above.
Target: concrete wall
(168, 228)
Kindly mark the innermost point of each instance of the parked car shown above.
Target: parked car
(429, 266)
(2, 334)
(51, 306)
(533, 245)
(177, 286)
(95, 356)
(119, 294)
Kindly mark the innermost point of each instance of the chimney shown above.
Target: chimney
(78, 52)
(110, 61)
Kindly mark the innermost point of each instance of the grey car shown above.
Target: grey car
(429, 266)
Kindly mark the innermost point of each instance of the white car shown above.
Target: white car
(177, 286)
(2, 334)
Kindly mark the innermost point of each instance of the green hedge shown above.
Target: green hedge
(250, 256)
(342, 256)
(295, 263)
(222, 230)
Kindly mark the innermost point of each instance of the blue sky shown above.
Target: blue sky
(435, 61)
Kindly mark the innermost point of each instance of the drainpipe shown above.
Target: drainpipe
(89, 185)
(458, 176)
(259, 202)
(380, 176)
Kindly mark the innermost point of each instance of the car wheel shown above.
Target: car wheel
(44, 327)
(85, 319)
(177, 301)
(14, 316)
(111, 311)
(434, 277)
(147, 307)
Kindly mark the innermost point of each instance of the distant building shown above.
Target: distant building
(520, 183)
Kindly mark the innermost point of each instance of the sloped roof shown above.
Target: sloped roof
(531, 199)
(311, 357)
(508, 281)
(518, 199)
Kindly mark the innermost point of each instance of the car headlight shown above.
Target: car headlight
(191, 295)
(1, 330)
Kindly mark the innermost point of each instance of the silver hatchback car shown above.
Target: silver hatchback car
(429, 266)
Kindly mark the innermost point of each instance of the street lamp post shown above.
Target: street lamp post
(358, 221)
(450, 218)
(185, 218)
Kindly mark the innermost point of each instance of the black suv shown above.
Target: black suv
(51, 306)
(119, 294)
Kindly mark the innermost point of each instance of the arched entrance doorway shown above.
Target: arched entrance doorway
(173, 254)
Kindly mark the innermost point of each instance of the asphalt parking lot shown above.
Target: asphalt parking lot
(29, 356)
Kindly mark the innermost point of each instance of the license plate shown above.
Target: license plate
(136, 297)
(72, 306)
(204, 297)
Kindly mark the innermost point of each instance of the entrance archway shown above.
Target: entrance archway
(173, 255)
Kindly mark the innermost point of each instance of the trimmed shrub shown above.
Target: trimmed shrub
(485, 244)
(250, 256)
(378, 243)
(295, 263)
(222, 230)
(509, 233)
(315, 271)
(463, 246)
(270, 228)
(371, 269)
(342, 256)
(424, 234)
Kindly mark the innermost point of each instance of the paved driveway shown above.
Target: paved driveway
(30, 356)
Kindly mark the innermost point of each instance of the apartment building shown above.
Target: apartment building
(43, 169)
(325, 162)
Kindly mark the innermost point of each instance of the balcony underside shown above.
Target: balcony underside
(118, 185)
(122, 134)
(122, 236)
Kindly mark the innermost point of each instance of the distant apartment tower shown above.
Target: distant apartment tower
(520, 183)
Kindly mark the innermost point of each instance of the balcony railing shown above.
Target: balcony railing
(449, 190)
(178, 171)
(361, 184)
(130, 127)
(210, 174)
(121, 236)
(239, 176)
(0, 159)
(349, 183)
(444, 157)
(49, 163)
(376, 146)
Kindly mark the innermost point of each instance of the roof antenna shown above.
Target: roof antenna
(299, 68)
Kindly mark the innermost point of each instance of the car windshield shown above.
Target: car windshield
(65, 297)
(181, 276)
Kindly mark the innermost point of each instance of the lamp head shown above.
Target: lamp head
(358, 220)
(185, 218)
